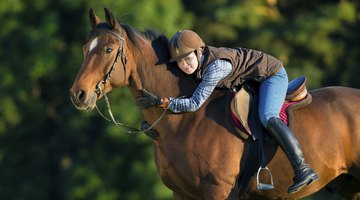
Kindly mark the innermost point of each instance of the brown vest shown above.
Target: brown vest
(248, 64)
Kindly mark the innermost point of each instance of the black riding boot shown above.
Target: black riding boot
(304, 175)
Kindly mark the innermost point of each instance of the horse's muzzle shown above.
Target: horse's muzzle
(83, 100)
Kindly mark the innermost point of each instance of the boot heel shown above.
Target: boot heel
(302, 183)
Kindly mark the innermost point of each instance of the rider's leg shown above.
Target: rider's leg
(272, 95)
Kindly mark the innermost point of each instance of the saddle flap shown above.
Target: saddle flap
(241, 102)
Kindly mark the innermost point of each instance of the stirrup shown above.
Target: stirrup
(264, 186)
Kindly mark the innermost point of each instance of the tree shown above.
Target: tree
(48, 149)
(317, 39)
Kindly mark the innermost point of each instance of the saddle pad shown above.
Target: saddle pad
(286, 113)
(283, 112)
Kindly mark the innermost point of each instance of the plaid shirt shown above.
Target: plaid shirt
(214, 72)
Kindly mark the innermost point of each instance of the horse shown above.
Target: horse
(196, 154)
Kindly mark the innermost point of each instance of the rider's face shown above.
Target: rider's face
(188, 64)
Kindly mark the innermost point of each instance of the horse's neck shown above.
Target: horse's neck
(162, 78)
(154, 74)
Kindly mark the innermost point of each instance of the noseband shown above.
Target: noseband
(120, 54)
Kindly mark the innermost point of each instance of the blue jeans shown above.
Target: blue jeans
(272, 95)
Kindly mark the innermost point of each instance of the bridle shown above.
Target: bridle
(119, 55)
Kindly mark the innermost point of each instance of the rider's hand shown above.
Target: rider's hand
(149, 99)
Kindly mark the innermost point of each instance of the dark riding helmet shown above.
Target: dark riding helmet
(183, 43)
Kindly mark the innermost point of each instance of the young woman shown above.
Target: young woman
(229, 67)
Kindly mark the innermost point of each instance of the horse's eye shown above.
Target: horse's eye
(108, 50)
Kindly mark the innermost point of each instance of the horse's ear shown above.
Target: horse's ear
(110, 19)
(94, 20)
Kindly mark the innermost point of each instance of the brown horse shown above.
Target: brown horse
(196, 154)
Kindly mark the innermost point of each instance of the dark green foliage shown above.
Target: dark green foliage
(49, 150)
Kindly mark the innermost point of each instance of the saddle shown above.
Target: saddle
(246, 124)
(244, 105)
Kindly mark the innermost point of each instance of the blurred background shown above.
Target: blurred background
(49, 150)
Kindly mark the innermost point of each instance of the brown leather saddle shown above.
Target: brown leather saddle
(246, 124)
(243, 106)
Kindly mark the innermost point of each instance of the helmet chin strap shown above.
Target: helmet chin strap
(200, 57)
(198, 53)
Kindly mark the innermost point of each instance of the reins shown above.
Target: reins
(121, 125)
(120, 54)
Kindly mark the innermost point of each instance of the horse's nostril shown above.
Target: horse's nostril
(81, 96)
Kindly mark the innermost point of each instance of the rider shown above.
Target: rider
(228, 67)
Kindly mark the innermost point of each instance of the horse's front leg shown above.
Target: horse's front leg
(215, 191)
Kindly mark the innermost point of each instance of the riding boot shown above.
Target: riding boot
(304, 175)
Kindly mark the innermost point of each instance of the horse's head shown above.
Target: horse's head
(105, 63)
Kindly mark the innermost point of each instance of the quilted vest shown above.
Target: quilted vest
(248, 64)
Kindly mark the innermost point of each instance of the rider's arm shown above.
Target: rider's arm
(216, 71)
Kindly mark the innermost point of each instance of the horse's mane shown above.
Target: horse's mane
(132, 33)
(151, 35)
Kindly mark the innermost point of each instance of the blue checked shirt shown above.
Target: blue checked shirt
(214, 72)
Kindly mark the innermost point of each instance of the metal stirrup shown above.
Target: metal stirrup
(264, 186)
(262, 161)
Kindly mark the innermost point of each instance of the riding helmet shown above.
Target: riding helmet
(183, 43)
